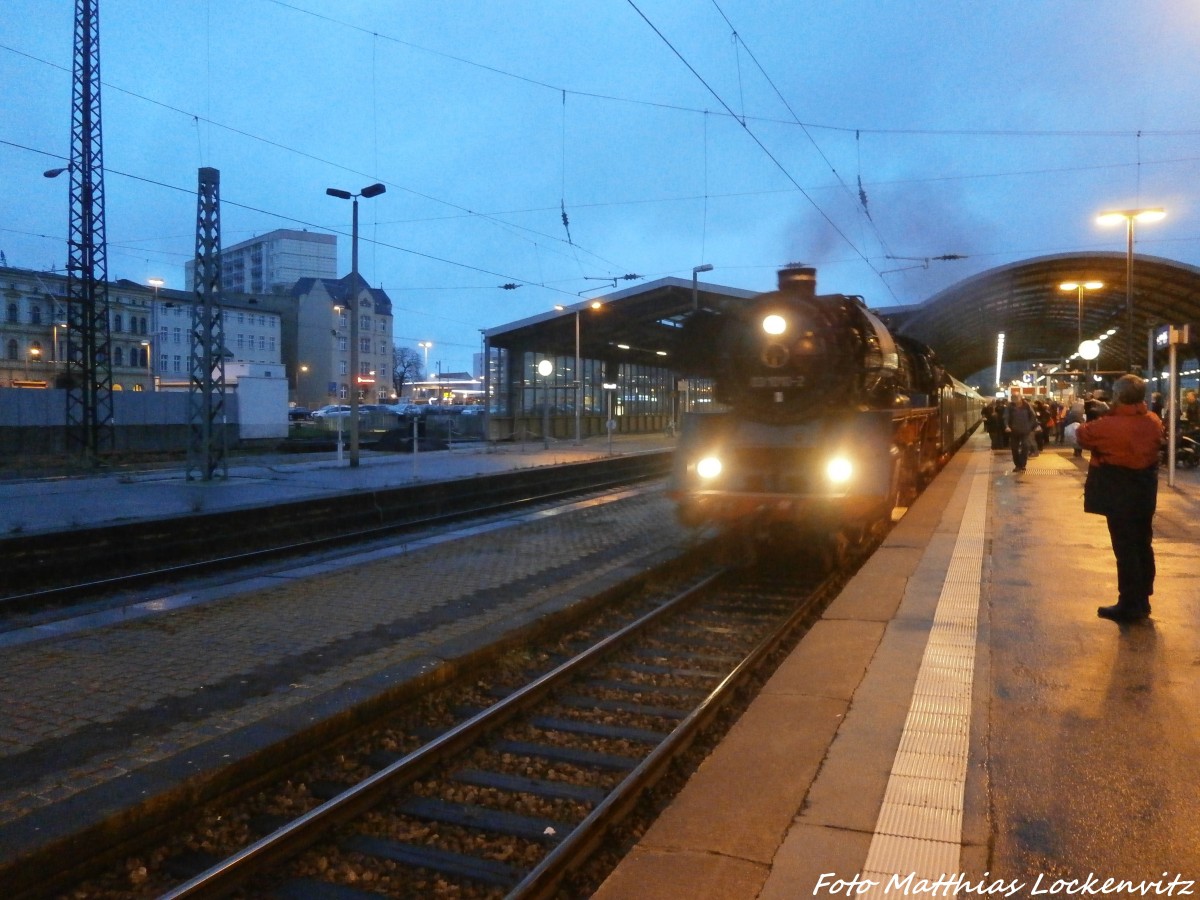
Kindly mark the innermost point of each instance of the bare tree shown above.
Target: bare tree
(406, 367)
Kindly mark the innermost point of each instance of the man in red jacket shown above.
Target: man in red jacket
(1123, 487)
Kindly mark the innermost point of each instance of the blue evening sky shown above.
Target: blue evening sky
(864, 138)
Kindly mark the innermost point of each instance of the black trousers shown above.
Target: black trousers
(1132, 538)
(1019, 445)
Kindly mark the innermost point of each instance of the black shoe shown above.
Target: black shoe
(1123, 613)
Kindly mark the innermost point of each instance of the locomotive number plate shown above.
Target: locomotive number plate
(777, 381)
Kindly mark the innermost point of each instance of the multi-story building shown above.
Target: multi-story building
(316, 325)
(273, 262)
(306, 331)
(149, 332)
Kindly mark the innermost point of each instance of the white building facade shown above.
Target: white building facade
(149, 333)
(273, 262)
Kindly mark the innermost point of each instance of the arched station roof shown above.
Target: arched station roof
(1041, 322)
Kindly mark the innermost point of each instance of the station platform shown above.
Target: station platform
(960, 722)
(38, 505)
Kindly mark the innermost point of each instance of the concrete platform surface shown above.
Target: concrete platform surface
(39, 505)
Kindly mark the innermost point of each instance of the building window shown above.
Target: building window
(119, 357)
(177, 338)
(11, 316)
(343, 367)
(262, 342)
(178, 360)
(35, 314)
(10, 350)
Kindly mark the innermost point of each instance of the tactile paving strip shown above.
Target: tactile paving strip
(919, 829)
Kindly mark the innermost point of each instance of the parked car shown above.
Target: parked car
(296, 413)
(405, 409)
(331, 411)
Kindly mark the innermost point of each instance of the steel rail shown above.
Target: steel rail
(544, 879)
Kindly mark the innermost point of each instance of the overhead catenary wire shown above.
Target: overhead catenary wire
(771, 156)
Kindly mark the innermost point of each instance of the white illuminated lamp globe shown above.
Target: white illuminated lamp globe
(774, 324)
(545, 368)
(1089, 350)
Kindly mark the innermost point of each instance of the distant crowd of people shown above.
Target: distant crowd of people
(1025, 428)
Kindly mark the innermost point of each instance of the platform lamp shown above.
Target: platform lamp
(696, 270)
(1079, 287)
(591, 304)
(1129, 216)
(545, 368)
(371, 190)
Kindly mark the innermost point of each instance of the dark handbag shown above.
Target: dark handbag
(1112, 489)
(1098, 491)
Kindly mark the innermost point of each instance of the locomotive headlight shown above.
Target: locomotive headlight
(839, 470)
(774, 324)
(709, 467)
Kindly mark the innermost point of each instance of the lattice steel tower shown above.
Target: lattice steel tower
(206, 406)
(89, 362)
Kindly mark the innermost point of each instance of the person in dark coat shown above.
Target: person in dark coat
(1019, 422)
(1123, 487)
(994, 423)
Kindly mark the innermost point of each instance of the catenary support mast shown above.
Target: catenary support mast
(206, 406)
(90, 427)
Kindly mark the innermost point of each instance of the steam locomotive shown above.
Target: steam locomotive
(831, 422)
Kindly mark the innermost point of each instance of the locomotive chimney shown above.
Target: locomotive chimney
(800, 280)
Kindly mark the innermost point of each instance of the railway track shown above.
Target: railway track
(516, 796)
(57, 569)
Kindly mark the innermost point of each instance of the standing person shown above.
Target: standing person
(1123, 487)
(1191, 411)
(1019, 422)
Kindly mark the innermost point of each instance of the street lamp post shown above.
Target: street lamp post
(373, 190)
(1129, 216)
(155, 283)
(149, 356)
(425, 345)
